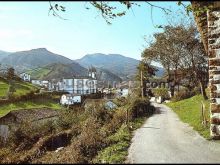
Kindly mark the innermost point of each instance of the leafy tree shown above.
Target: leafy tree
(11, 90)
(145, 71)
(10, 73)
(181, 53)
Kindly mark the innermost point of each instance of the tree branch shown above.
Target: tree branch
(54, 12)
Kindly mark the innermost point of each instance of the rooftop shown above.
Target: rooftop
(18, 116)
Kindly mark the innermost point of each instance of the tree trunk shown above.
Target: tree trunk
(172, 90)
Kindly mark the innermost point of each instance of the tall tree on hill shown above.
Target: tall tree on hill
(10, 73)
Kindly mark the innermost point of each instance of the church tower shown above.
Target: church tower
(92, 72)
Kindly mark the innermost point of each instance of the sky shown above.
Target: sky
(27, 25)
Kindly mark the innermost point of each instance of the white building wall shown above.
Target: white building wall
(25, 77)
(68, 85)
(37, 82)
(68, 100)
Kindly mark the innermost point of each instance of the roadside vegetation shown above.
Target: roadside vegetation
(189, 111)
(95, 135)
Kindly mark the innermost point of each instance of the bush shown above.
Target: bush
(96, 109)
(182, 94)
(141, 107)
(120, 101)
(28, 134)
(163, 92)
(85, 146)
(196, 91)
(68, 118)
(119, 117)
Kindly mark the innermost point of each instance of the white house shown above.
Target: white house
(123, 92)
(85, 85)
(70, 99)
(45, 83)
(42, 83)
(25, 76)
(80, 85)
(68, 85)
(36, 82)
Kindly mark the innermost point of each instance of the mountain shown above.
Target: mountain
(115, 63)
(160, 71)
(3, 54)
(104, 74)
(46, 65)
(58, 71)
(33, 58)
(122, 66)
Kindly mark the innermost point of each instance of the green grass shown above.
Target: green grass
(189, 111)
(37, 103)
(117, 151)
(22, 88)
(3, 88)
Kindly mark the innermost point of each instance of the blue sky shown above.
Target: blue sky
(26, 25)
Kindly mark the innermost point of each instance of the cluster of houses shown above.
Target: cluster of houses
(75, 86)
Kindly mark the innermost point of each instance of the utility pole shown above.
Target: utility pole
(142, 91)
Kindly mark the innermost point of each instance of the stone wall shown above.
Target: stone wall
(201, 20)
(213, 20)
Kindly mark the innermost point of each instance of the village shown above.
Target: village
(144, 90)
(79, 86)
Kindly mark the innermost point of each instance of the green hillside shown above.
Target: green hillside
(21, 88)
(57, 71)
(38, 73)
(3, 88)
(37, 103)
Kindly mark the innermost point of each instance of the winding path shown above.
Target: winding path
(165, 139)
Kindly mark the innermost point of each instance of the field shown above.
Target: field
(3, 88)
(21, 88)
(37, 103)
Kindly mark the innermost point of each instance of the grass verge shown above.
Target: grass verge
(119, 142)
(189, 111)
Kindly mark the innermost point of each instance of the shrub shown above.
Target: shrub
(27, 134)
(163, 92)
(120, 101)
(182, 94)
(87, 144)
(119, 117)
(140, 107)
(97, 110)
(67, 118)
